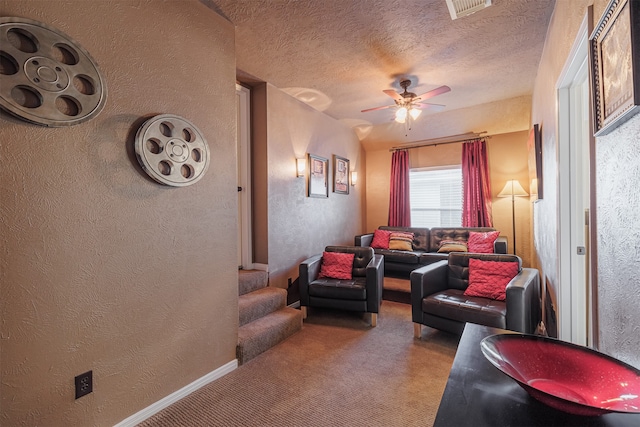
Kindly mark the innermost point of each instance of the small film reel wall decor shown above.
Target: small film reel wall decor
(172, 150)
(47, 78)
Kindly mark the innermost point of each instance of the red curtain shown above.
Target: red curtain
(476, 205)
(399, 209)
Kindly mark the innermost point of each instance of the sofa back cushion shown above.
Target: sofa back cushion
(438, 234)
(458, 274)
(362, 257)
(420, 236)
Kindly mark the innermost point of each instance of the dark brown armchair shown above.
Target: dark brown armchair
(438, 300)
(361, 293)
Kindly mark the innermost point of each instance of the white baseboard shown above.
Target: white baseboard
(262, 267)
(295, 304)
(174, 397)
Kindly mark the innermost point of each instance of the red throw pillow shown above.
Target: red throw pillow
(381, 239)
(336, 265)
(489, 279)
(482, 243)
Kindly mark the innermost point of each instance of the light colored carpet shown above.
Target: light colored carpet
(337, 371)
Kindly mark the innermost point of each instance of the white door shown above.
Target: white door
(243, 138)
(574, 195)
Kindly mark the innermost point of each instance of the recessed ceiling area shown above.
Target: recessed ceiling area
(339, 56)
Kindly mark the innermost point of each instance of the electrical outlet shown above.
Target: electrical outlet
(84, 384)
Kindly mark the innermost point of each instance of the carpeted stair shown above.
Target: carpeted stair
(265, 320)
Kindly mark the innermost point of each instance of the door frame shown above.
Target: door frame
(245, 248)
(570, 293)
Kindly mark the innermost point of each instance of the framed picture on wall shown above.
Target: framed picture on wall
(534, 149)
(614, 49)
(318, 176)
(340, 175)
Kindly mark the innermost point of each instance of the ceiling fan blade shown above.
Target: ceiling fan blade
(435, 92)
(377, 108)
(429, 106)
(395, 95)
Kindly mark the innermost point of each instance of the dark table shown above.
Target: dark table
(478, 394)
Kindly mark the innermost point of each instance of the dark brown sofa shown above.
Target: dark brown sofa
(438, 300)
(426, 243)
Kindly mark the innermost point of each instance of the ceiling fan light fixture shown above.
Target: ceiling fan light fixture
(415, 113)
(401, 114)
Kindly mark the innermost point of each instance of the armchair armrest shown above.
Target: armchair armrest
(426, 281)
(363, 240)
(500, 245)
(308, 272)
(523, 301)
(374, 284)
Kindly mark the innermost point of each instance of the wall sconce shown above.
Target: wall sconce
(354, 178)
(301, 166)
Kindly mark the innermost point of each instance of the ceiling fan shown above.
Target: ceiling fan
(408, 103)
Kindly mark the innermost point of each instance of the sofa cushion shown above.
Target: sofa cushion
(431, 257)
(337, 265)
(482, 243)
(438, 234)
(401, 241)
(381, 239)
(453, 304)
(420, 236)
(406, 257)
(339, 289)
(489, 279)
(447, 246)
(458, 275)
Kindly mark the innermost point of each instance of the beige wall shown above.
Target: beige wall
(301, 226)
(616, 197)
(507, 157)
(508, 160)
(102, 268)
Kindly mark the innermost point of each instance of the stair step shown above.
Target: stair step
(262, 334)
(251, 280)
(259, 303)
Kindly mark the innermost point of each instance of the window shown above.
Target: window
(436, 197)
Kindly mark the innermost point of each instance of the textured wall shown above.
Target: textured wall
(618, 204)
(301, 226)
(508, 160)
(507, 157)
(102, 268)
(618, 209)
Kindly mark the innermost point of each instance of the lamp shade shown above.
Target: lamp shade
(512, 188)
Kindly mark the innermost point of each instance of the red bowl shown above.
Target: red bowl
(566, 376)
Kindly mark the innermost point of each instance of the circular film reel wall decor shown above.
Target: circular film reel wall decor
(47, 78)
(172, 150)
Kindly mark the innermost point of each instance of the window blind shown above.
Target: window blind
(436, 197)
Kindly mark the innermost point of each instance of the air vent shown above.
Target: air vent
(462, 8)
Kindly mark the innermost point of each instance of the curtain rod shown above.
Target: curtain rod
(441, 141)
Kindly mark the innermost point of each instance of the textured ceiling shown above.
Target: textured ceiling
(339, 55)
